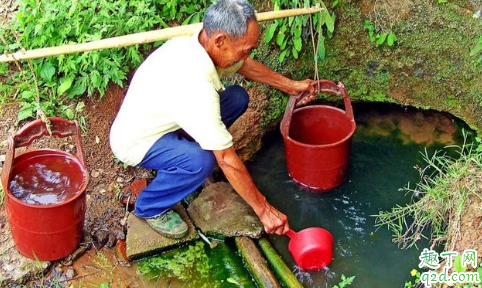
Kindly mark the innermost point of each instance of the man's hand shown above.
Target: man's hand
(304, 86)
(258, 72)
(273, 220)
(237, 174)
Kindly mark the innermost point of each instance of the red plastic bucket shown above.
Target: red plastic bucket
(317, 139)
(52, 231)
(311, 248)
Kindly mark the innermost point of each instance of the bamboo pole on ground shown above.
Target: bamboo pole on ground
(139, 38)
(282, 272)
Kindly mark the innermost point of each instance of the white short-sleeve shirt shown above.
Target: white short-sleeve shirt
(175, 87)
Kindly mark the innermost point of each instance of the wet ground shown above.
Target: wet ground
(386, 147)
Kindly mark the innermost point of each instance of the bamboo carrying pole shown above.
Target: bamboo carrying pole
(139, 38)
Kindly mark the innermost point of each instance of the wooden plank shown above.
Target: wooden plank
(256, 263)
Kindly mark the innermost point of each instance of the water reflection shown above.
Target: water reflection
(45, 180)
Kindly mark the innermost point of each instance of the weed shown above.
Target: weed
(189, 264)
(2, 197)
(438, 200)
(379, 38)
(345, 281)
(39, 24)
(476, 51)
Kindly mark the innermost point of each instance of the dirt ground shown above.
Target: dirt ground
(107, 178)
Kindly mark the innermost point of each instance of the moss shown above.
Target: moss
(429, 67)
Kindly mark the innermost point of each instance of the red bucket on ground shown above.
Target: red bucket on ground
(317, 139)
(48, 230)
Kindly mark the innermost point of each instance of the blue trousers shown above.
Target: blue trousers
(182, 166)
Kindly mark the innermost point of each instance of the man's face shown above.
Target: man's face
(228, 51)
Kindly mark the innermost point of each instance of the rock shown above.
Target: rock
(247, 131)
(143, 241)
(219, 210)
(70, 273)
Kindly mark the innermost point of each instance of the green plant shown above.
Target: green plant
(191, 263)
(416, 274)
(438, 199)
(288, 31)
(344, 281)
(2, 196)
(39, 24)
(379, 38)
(476, 51)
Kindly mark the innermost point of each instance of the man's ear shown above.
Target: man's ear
(220, 40)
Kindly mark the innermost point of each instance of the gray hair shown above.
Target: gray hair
(229, 16)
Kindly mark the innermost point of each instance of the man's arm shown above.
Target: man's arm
(256, 71)
(237, 174)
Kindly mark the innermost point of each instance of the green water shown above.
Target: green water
(197, 265)
(382, 161)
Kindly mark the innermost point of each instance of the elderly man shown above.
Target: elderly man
(177, 91)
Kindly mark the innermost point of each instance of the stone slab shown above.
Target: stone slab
(14, 267)
(143, 241)
(219, 210)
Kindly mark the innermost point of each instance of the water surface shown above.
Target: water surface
(386, 147)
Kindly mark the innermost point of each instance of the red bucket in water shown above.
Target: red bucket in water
(45, 192)
(317, 139)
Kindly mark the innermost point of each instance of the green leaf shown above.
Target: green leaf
(367, 25)
(233, 281)
(3, 68)
(282, 56)
(69, 113)
(295, 53)
(476, 49)
(27, 96)
(25, 112)
(280, 38)
(330, 22)
(80, 107)
(47, 72)
(65, 84)
(297, 31)
(187, 20)
(458, 264)
(321, 48)
(381, 38)
(77, 89)
(391, 39)
(298, 44)
(479, 271)
(269, 35)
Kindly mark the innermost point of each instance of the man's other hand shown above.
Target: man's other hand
(273, 220)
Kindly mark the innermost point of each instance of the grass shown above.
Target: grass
(438, 200)
(2, 196)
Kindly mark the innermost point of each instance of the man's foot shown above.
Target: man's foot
(169, 225)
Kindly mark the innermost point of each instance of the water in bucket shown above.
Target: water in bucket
(46, 179)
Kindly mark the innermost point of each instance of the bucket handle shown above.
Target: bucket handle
(321, 86)
(60, 127)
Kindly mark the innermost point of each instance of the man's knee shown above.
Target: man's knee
(240, 97)
(204, 162)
